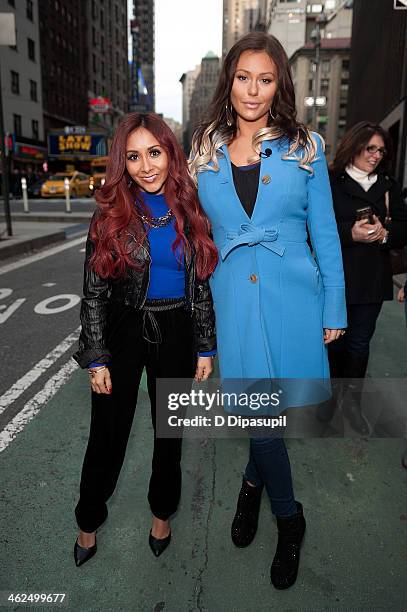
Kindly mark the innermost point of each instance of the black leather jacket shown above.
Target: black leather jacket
(131, 290)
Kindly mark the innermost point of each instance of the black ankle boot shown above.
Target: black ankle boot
(284, 569)
(244, 524)
(355, 368)
(353, 412)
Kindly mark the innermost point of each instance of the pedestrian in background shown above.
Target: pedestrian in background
(262, 180)
(146, 304)
(372, 218)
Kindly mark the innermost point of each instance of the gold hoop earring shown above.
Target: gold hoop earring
(229, 116)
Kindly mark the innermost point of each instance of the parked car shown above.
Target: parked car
(34, 188)
(54, 186)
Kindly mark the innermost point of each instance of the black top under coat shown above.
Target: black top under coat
(246, 180)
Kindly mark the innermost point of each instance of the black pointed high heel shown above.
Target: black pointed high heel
(82, 554)
(158, 545)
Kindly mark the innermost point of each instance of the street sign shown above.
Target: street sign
(400, 5)
(309, 101)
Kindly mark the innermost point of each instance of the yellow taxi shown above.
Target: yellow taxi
(54, 186)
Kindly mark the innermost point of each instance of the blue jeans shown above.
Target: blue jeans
(269, 465)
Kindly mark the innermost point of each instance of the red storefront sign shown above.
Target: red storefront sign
(100, 105)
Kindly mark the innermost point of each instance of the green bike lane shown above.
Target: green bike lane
(354, 554)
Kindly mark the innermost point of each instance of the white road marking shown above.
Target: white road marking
(5, 293)
(36, 371)
(10, 310)
(44, 307)
(32, 407)
(39, 256)
(48, 284)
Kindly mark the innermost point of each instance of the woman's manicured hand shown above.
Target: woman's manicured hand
(363, 231)
(101, 381)
(401, 295)
(203, 368)
(332, 334)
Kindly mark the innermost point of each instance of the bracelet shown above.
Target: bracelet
(93, 371)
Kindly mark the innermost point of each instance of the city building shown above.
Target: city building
(187, 80)
(63, 58)
(175, 127)
(202, 95)
(241, 17)
(293, 21)
(21, 88)
(378, 73)
(108, 69)
(333, 85)
(142, 69)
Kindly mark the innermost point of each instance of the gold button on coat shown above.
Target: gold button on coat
(266, 179)
(253, 278)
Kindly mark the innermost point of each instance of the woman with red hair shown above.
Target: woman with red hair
(146, 304)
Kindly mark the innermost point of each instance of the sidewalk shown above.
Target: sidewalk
(38, 230)
(354, 555)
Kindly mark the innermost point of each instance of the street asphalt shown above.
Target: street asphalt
(354, 555)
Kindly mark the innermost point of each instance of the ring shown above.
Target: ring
(342, 332)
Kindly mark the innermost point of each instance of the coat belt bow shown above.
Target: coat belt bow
(251, 235)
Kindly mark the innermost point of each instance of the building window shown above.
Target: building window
(94, 39)
(29, 10)
(31, 49)
(102, 44)
(103, 70)
(94, 88)
(12, 3)
(94, 65)
(117, 60)
(34, 128)
(116, 12)
(33, 91)
(94, 15)
(15, 82)
(102, 19)
(17, 125)
(326, 65)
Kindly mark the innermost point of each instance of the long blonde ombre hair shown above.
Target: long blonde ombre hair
(215, 132)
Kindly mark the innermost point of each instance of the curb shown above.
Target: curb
(48, 217)
(34, 244)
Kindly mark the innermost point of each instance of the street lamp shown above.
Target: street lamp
(315, 37)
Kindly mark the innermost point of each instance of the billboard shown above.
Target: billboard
(83, 145)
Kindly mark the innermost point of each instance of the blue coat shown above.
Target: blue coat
(272, 298)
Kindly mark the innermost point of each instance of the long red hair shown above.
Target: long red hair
(120, 202)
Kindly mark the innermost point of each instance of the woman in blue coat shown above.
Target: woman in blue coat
(263, 182)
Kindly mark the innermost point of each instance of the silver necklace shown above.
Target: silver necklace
(157, 221)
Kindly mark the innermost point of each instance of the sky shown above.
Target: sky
(185, 30)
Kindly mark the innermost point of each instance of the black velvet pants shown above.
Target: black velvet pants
(112, 415)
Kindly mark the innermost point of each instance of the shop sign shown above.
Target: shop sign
(100, 105)
(31, 151)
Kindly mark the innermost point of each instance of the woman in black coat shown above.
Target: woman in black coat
(359, 180)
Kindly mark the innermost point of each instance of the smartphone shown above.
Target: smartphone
(365, 213)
